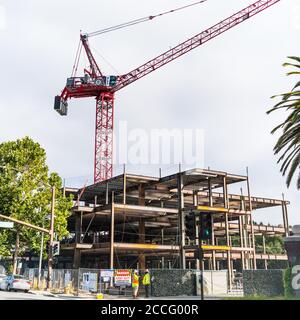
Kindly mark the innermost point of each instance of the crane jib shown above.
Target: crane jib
(194, 42)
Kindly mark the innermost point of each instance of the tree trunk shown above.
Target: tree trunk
(15, 261)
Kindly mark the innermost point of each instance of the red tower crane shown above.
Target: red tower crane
(103, 88)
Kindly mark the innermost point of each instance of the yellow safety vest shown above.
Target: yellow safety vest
(146, 279)
(135, 281)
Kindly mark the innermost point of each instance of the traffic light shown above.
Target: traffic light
(206, 226)
(190, 225)
(55, 248)
(47, 247)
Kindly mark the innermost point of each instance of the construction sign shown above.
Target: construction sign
(123, 277)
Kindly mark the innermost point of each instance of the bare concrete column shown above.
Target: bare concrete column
(162, 242)
(285, 217)
(198, 242)
(141, 201)
(112, 235)
(212, 224)
(124, 186)
(78, 227)
(226, 205)
(264, 251)
(182, 261)
(142, 258)
(241, 242)
(106, 193)
(77, 259)
(251, 222)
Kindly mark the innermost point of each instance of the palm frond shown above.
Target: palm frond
(288, 144)
(287, 64)
(294, 58)
(292, 72)
(296, 86)
(295, 165)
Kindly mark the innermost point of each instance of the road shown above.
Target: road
(5, 295)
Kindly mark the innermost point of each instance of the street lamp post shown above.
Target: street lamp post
(50, 254)
(41, 258)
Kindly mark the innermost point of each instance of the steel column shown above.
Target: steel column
(142, 231)
(285, 216)
(182, 261)
(241, 241)
(251, 222)
(212, 224)
(112, 235)
(264, 251)
(226, 205)
(198, 240)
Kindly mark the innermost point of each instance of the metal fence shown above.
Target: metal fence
(113, 282)
(37, 282)
(164, 282)
(64, 281)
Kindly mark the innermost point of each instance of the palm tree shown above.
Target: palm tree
(288, 143)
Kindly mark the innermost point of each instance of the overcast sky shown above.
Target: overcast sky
(223, 87)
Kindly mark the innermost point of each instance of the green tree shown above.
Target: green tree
(274, 245)
(25, 194)
(288, 144)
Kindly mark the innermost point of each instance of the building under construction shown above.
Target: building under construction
(136, 221)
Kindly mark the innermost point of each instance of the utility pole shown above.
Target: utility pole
(50, 255)
(41, 258)
(16, 253)
(200, 252)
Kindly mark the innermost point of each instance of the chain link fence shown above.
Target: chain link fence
(164, 282)
(37, 283)
(118, 282)
(64, 281)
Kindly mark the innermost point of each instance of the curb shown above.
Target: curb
(43, 293)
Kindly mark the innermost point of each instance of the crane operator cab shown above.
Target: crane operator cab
(61, 106)
(105, 81)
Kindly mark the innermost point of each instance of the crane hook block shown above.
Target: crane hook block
(61, 106)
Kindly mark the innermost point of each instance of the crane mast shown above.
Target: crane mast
(95, 84)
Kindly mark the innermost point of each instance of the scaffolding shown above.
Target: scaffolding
(136, 221)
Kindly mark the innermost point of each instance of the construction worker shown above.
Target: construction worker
(135, 284)
(147, 282)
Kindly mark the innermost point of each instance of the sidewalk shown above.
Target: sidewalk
(116, 297)
(232, 294)
(61, 295)
(42, 293)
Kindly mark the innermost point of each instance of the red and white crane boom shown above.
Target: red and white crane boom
(95, 84)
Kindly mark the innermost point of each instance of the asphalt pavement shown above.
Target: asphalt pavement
(5, 295)
(44, 295)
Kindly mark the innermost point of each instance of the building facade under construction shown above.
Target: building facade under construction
(136, 221)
